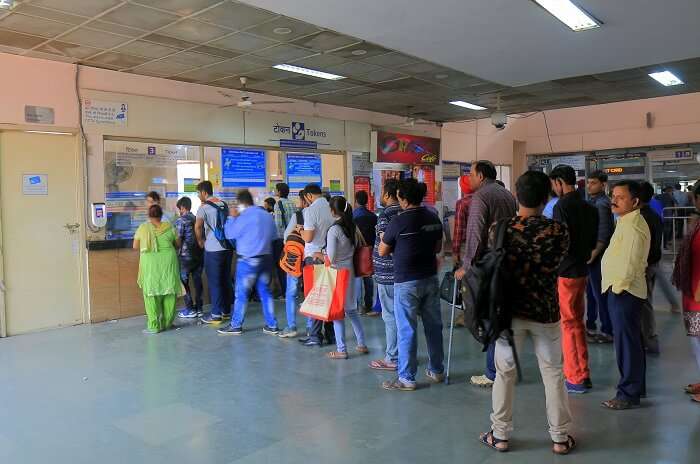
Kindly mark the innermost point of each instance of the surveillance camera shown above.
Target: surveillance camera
(499, 120)
(439, 123)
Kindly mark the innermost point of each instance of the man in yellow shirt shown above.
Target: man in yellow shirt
(623, 278)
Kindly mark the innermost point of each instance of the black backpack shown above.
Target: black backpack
(486, 312)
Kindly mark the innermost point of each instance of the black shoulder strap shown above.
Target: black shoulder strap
(300, 218)
(284, 213)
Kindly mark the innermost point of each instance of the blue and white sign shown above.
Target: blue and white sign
(242, 168)
(35, 184)
(293, 131)
(303, 169)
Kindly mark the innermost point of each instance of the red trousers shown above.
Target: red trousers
(573, 329)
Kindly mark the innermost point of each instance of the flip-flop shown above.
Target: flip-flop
(337, 355)
(484, 438)
(693, 388)
(362, 349)
(569, 444)
(381, 365)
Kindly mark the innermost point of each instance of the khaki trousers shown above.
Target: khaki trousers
(547, 342)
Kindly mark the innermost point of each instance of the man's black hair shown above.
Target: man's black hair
(532, 189)
(282, 189)
(599, 175)
(184, 202)
(206, 187)
(646, 192)
(153, 195)
(313, 189)
(270, 201)
(411, 191)
(485, 168)
(633, 187)
(244, 197)
(361, 198)
(564, 173)
(391, 188)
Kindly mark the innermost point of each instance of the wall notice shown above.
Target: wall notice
(35, 184)
(243, 168)
(105, 112)
(303, 169)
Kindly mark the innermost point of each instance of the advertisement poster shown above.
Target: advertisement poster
(405, 148)
(242, 168)
(362, 183)
(303, 169)
(426, 174)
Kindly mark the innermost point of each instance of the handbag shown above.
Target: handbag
(362, 259)
(325, 300)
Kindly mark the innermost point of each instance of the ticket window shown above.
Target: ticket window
(132, 169)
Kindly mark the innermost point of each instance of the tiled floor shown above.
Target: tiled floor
(108, 394)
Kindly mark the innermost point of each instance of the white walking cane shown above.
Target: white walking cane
(452, 328)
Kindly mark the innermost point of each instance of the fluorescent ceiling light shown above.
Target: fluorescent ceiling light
(464, 104)
(47, 132)
(570, 14)
(666, 78)
(308, 72)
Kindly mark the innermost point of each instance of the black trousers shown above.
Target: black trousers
(625, 313)
(277, 247)
(320, 331)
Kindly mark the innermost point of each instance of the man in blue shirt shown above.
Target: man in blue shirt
(253, 230)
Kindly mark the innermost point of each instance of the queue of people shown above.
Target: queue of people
(602, 250)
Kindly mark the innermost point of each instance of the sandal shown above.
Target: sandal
(398, 385)
(362, 349)
(693, 389)
(695, 398)
(492, 442)
(381, 365)
(619, 405)
(337, 355)
(568, 445)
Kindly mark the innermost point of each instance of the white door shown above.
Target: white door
(41, 236)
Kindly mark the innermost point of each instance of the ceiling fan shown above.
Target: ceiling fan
(412, 121)
(246, 100)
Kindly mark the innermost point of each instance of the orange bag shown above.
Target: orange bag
(325, 298)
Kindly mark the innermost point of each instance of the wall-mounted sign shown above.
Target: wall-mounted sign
(293, 132)
(361, 165)
(35, 184)
(38, 114)
(243, 168)
(452, 170)
(303, 169)
(138, 154)
(105, 112)
(623, 170)
(671, 155)
(406, 148)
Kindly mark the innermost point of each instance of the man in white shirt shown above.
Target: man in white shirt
(317, 221)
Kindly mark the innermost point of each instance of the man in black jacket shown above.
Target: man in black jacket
(366, 222)
(650, 340)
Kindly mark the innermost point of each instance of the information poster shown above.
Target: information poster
(190, 185)
(303, 169)
(243, 168)
(105, 112)
(35, 184)
(453, 170)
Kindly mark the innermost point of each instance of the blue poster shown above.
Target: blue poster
(243, 168)
(303, 169)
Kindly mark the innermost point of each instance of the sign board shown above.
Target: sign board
(243, 168)
(293, 132)
(671, 155)
(406, 148)
(361, 165)
(452, 170)
(105, 112)
(303, 169)
(623, 170)
(138, 154)
(38, 114)
(35, 184)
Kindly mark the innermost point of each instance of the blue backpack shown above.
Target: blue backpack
(218, 229)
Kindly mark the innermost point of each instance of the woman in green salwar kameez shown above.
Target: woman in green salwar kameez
(159, 271)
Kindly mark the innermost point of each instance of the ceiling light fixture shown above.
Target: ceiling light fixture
(47, 132)
(308, 72)
(358, 52)
(666, 78)
(441, 76)
(282, 30)
(464, 104)
(570, 14)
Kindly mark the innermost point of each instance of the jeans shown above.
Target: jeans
(491, 362)
(366, 283)
(291, 303)
(412, 299)
(253, 272)
(574, 345)
(546, 339)
(695, 345)
(625, 311)
(217, 265)
(193, 269)
(386, 296)
(597, 303)
(339, 329)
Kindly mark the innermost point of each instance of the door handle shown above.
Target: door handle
(72, 228)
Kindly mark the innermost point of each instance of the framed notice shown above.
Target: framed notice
(303, 169)
(243, 168)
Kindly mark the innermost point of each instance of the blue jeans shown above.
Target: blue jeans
(291, 303)
(193, 269)
(386, 296)
(339, 329)
(411, 299)
(253, 272)
(217, 265)
(625, 312)
(491, 362)
(366, 284)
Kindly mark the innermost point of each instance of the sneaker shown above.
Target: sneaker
(200, 313)
(187, 314)
(211, 319)
(576, 388)
(226, 317)
(228, 330)
(310, 342)
(288, 333)
(271, 330)
(587, 383)
(150, 332)
(604, 338)
(435, 378)
(398, 385)
(592, 336)
(481, 381)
